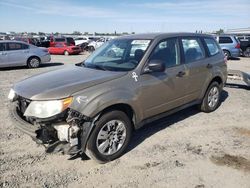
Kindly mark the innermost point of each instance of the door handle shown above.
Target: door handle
(4, 53)
(26, 51)
(209, 66)
(181, 74)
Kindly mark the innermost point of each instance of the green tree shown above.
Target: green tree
(219, 32)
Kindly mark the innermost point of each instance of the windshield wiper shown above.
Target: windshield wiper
(99, 67)
(93, 66)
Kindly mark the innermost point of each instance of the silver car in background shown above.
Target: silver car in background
(230, 45)
(16, 53)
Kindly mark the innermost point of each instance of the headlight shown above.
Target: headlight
(45, 109)
(11, 95)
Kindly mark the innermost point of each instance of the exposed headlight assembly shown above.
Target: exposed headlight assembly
(46, 109)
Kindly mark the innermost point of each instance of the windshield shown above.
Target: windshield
(118, 55)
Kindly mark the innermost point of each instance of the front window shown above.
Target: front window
(118, 55)
(167, 51)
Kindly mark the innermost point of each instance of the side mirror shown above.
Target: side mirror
(155, 66)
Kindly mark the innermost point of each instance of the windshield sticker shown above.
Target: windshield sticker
(134, 75)
(140, 42)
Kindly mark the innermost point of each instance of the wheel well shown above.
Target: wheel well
(35, 57)
(227, 51)
(217, 79)
(127, 109)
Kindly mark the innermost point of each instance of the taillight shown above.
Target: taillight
(238, 45)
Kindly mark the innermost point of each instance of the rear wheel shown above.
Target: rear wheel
(66, 53)
(110, 137)
(33, 62)
(246, 53)
(211, 100)
(227, 54)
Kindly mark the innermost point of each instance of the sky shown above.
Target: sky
(140, 16)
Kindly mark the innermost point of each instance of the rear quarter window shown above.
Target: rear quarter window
(212, 46)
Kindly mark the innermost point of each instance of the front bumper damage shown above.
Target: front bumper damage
(67, 132)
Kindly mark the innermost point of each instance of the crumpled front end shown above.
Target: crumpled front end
(67, 131)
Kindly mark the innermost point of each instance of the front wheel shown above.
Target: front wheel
(211, 100)
(110, 137)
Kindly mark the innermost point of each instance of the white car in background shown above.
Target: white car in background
(17, 53)
(93, 45)
(80, 40)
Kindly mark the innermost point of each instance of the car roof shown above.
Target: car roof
(151, 36)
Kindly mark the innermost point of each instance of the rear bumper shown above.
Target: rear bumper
(235, 53)
(46, 58)
(22, 124)
(75, 52)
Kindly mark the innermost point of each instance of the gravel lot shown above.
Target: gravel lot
(187, 149)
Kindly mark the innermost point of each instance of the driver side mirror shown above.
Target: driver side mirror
(155, 66)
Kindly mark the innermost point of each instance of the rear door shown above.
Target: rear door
(17, 53)
(3, 55)
(197, 65)
(163, 91)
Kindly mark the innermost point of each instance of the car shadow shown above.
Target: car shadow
(234, 58)
(150, 129)
(238, 86)
(44, 65)
(52, 64)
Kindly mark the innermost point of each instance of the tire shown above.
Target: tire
(227, 54)
(246, 53)
(33, 62)
(91, 48)
(66, 53)
(104, 136)
(211, 100)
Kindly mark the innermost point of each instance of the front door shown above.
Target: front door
(163, 91)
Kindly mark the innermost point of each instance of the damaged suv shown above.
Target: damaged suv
(93, 107)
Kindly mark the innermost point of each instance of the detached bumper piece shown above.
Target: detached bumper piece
(21, 124)
(236, 75)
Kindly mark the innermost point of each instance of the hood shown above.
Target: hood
(62, 83)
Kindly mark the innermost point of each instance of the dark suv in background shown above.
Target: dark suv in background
(128, 82)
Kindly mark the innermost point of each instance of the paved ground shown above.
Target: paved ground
(188, 149)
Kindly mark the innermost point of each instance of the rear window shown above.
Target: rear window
(14, 46)
(59, 39)
(193, 49)
(223, 40)
(17, 46)
(212, 46)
